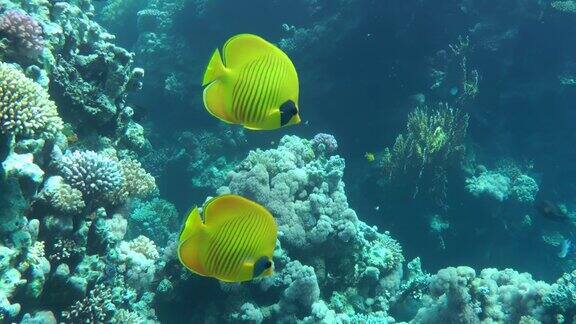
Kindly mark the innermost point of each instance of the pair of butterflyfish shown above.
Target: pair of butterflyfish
(253, 83)
(233, 241)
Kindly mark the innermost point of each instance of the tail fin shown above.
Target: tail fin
(215, 68)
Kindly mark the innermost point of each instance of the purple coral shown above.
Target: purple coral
(23, 31)
(324, 143)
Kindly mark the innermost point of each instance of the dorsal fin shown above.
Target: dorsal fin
(244, 48)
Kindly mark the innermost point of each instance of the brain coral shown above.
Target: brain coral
(25, 107)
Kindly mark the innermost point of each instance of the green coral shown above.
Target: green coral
(433, 142)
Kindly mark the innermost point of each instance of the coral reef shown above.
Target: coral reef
(97, 176)
(23, 31)
(507, 182)
(156, 219)
(26, 110)
(568, 6)
(61, 251)
(88, 233)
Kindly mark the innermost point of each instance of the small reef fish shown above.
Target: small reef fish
(370, 157)
(254, 84)
(233, 242)
(564, 248)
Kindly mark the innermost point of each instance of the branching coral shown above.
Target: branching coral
(62, 196)
(460, 295)
(23, 31)
(25, 107)
(136, 260)
(97, 176)
(324, 143)
(95, 308)
(137, 182)
(488, 183)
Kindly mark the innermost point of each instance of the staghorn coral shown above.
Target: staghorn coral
(23, 31)
(64, 249)
(97, 176)
(26, 109)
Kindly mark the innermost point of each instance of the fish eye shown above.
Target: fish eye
(268, 264)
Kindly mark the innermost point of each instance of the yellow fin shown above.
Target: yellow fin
(193, 222)
(219, 209)
(215, 101)
(188, 242)
(215, 68)
(244, 48)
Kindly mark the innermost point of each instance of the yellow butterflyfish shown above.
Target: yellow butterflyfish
(233, 242)
(253, 84)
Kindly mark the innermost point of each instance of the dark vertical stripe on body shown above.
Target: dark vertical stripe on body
(281, 75)
(224, 250)
(265, 99)
(253, 249)
(243, 92)
(217, 253)
(212, 249)
(263, 89)
(250, 247)
(214, 253)
(248, 234)
(237, 94)
(272, 84)
(237, 246)
(255, 84)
